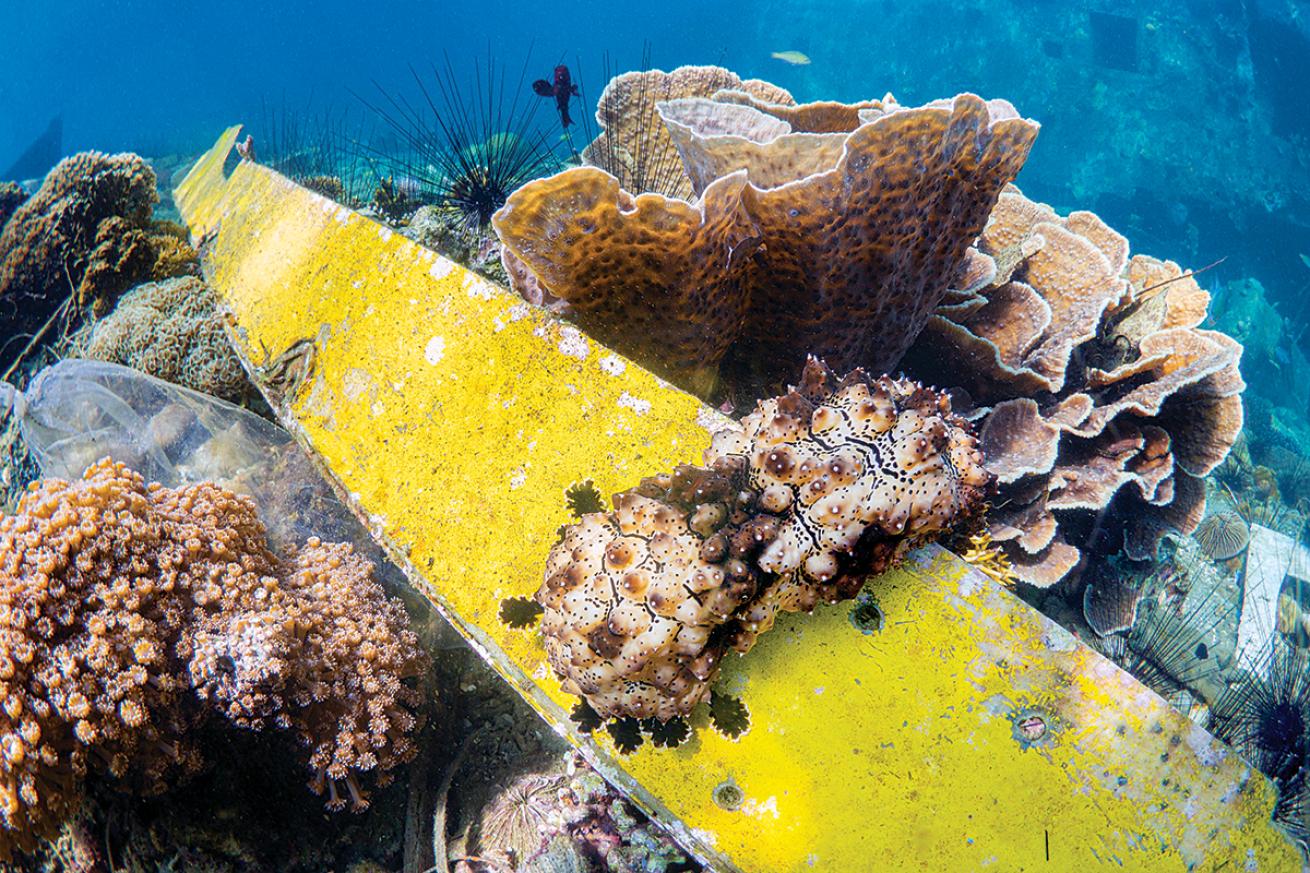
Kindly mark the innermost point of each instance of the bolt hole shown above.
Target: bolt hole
(1033, 727)
(728, 795)
(866, 616)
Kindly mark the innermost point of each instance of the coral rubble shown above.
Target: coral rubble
(812, 491)
(127, 607)
(838, 244)
(171, 330)
(1093, 383)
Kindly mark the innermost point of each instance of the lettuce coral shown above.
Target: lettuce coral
(124, 608)
(1092, 383)
(635, 147)
(840, 244)
(814, 490)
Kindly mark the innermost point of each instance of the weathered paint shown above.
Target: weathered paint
(454, 416)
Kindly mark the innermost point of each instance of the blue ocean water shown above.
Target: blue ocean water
(1182, 124)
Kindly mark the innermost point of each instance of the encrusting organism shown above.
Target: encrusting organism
(128, 613)
(795, 506)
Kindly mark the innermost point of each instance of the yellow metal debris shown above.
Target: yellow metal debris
(941, 725)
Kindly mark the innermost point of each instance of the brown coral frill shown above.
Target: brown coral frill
(1094, 381)
(812, 492)
(125, 606)
(836, 244)
(634, 147)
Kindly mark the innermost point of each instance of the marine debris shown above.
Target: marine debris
(132, 612)
(833, 244)
(794, 507)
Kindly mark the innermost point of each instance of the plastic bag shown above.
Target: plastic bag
(76, 412)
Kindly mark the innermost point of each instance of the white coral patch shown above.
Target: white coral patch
(441, 268)
(573, 343)
(478, 287)
(435, 350)
(613, 365)
(636, 404)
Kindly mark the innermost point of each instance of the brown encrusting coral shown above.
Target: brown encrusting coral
(12, 196)
(126, 607)
(839, 244)
(1093, 384)
(86, 233)
(813, 491)
(46, 242)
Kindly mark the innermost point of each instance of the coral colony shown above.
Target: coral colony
(131, 612)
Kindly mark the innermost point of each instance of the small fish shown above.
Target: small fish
(562, 89)
(797, 59)
(1305, 259)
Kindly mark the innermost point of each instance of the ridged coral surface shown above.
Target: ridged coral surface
(172, 330)
(1093, 382)
(125, 606)
(838, 244)
(813, 491)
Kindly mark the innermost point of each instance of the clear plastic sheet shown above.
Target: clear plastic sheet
(77, 411)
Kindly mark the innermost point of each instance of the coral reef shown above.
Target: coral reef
(126, 607)
(172, 330)
(1090, 375)
(836, 244)
(810, 493)
(44, 247)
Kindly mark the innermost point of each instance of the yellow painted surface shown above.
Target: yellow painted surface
(453, 416)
